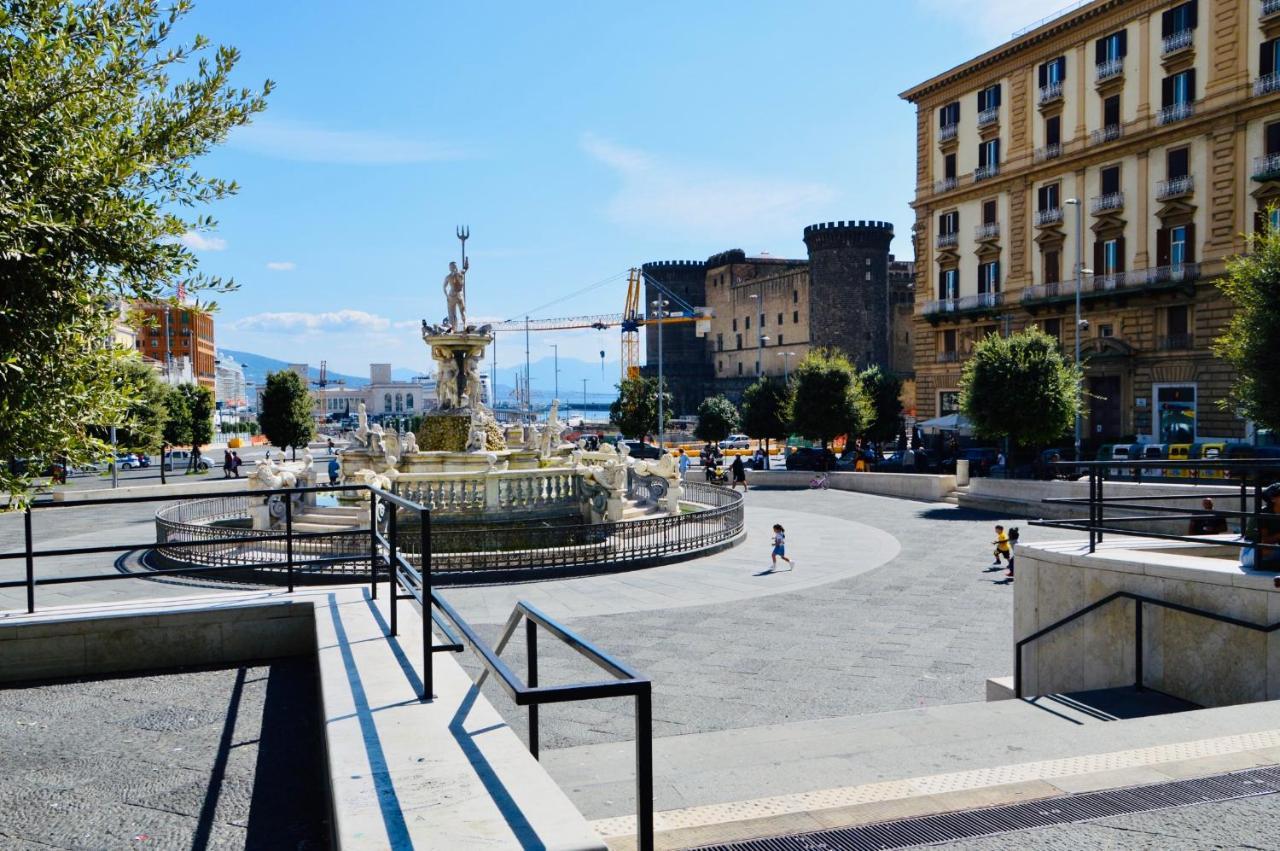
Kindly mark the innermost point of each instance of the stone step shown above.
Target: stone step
(322, 526)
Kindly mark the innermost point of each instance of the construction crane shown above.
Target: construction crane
(631, 319)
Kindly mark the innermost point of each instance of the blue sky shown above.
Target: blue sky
(575, 139)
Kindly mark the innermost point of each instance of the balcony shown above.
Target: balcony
(1104, 203)
(964, 304)
(1266, 168)
(1175, 112)
(947, 132)
(948, 240)
(1107, 134)
(989, 116)
(983, 172)
(1049, 93)
(1049, 216)
(1180, 40)
(1120, 282)
(1174, 187)
(951, 356)
(1108, 70)
(1177, 342)
(1266, 84)
(986, 231)
(1270, 8)
(1048, 152)
(946, 184)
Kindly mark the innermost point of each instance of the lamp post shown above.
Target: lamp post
(758, 310)
(661, 305)
(1080, 270)
(556, 348)
(584, 400)
(764, 341)
(786, 363)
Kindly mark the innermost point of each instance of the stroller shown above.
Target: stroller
(716, 474)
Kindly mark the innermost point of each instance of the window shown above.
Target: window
(719, 366)
(1273, 139)
(1176, 163)
(1111, 111)
(1268, 54)
(747, 323)
(408, 401)
(1110, 256)
(1178, 19)
(1175, 319)
(868, 276)
(989, 154)
(780, 342)
(1111, 48)
(795, 296)
(795, 316)
(989, 212)
(1052, 267)
(1053, 327)
(949, 114)
(1175, 413)
(1053, 71)
(719, 342)
(386, 403)
(1178, 90)
(948, 402)
(949, 284)
(1047, 197)
(1111, 180)
(949, 166)
(779, 318)
(949, 340)
(1175, 245)
(949, 223)
(1106, 329)
(739, 367)
(868, 261)
(735, 323)
(762, 320)
(989, 98)
(1053, 130)
(739, 341)
(989, 277)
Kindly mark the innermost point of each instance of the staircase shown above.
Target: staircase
(338, 518)
(641, 509)
(953, 498)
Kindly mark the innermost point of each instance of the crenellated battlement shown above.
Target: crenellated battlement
(671, 264)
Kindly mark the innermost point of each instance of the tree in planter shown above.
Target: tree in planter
(1019, 387)
(635, 411)
(827, 399)
(100, 90)
(1251, 341)
(717, 419)
(286, 412)
(764, 410)
(883, 390)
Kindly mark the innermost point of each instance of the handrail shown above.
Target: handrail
(1140, 600)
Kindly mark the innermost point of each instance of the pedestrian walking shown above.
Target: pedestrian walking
(739, 471)
(684, 464)
(1002, 546)
(780, 548)
(235, 464)
(331, 446)
(227, 464)
(335, 469)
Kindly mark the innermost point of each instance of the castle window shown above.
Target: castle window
(735, 323)
(780, 343)
(795, 296)
(739, 367)
(748, 323)
(779, 318)
(795, 316)
(868, 276)
(739, 341)
(719, 342)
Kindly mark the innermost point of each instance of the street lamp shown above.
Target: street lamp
(1080, 325)
(584, 400)
(786, 362)
(661, 305)
(764, 341)
(556, 347)
(758, 310)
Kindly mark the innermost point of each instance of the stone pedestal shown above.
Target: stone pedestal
(445, 431)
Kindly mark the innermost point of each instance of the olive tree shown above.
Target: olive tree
(635, 411)
(1251, 340)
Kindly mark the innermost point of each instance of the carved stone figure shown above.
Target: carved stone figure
(455, 293)
(409, 444)
(447, 384)
(362, 426)
(471, 388)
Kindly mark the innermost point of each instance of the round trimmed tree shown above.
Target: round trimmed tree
(286, 417)
(764, 410)
(717, 419)
(827, 399)
(1020, 387)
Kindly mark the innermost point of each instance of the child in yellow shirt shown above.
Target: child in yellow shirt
(1002, 546)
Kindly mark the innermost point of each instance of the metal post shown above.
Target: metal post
(394, 596)
(584, 401)
(1078, 203)
(556, 353)
(373, 545)
(528, 378)
(31, 562)
(1017, 671)
(644, 768)
(115, 462)
(1102, 505)
(531, 648)
(1093, 507)
(288, 537)
(1137, 643)
(428, 605)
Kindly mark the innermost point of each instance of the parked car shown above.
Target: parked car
(736, 441)
(811, 458)
(132, 461)
(1044, 467)
(981, 459)
(642, 450)
(920, 462)
(181, 458)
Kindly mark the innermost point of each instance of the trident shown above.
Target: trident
(464, 233)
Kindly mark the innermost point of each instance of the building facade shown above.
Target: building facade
(169, 332)
(685, 367)
(230, 389)
(1136, 140)
(766, 313)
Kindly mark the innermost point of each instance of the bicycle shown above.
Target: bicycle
(819, 482)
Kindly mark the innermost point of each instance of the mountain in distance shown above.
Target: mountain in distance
(256, 368)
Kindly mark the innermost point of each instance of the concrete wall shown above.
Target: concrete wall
(1024, 498)
(1208, 663)
(905, 485)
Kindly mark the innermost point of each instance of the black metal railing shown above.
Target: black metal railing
(1248, 475)
(1139, 602)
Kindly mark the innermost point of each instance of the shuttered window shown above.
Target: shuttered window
(1179, 88)
(1178, 19)
(1111, 111)
(1047, 197)
(1177, 163)
(1114, 46)
(1111, 180)
(1268, 52)
(989, 98)
(949, 114)
(1053, 130)
(1053, 71)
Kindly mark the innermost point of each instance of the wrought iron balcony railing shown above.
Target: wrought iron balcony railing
(1174, 187)
(1048, 152)
(1270, 7)
(946, 184)
(1110, 201)
(947, 132)
(987, 230)
(1049, 216)
(983, 172)
(964, 304)
(1105, 134)
(1178, 41)
(1267, 83)
(1266, 168)
(1049, 93)
(1177, 342)
(989, 116)
(948, 240)
(1175, 112)
(1108, 69)
(1093, 285)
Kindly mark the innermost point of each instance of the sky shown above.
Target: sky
(575, 140)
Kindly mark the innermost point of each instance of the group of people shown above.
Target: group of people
(231, 464)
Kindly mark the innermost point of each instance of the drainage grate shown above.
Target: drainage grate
(1088, 806)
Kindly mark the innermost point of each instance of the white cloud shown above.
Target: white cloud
(313, 323)
(200, 242)
(994, 20)
(282, 265)
(291, 140)
(699, 202)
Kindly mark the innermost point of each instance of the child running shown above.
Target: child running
(780, 547)
(1002, 546)
(1013, 550)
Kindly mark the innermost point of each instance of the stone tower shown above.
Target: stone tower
(686, 365)
(849, 301)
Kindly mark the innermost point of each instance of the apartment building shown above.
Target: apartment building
(1136, 140)
(169, 332)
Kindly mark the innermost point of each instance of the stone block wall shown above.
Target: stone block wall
(849, 301)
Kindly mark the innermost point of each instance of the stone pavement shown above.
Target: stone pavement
(228, 758)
